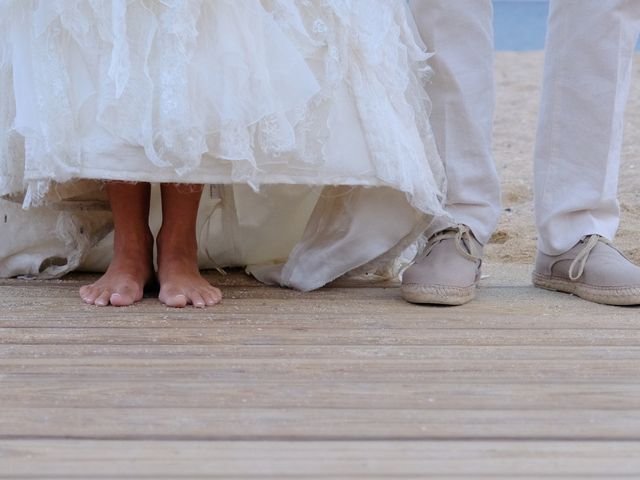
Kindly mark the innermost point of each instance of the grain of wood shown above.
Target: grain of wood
(329, 459)
(319, 424)
(347, 382)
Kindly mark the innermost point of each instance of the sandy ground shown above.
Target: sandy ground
(518, 78)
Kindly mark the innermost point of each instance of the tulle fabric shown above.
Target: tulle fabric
(271, 100)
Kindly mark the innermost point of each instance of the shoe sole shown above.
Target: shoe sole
(437, 295)
(605, 295)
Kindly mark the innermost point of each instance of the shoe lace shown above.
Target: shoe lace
(463, 240)
(576, 270)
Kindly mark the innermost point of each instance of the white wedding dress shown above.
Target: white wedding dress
(307, 120)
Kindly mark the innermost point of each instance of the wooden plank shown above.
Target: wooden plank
(294, 335)
(306, 424)
(135, 459)
(101, 354)
(327, 371)
(187, 393)
(369, 384)
(249, 315)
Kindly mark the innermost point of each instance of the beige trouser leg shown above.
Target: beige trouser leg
(589, 51)
(462, 91)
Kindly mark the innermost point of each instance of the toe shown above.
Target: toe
(121, 299)
(208, 297)
(178, 301)
(175, 299)
(212, 296)
(103, 299)
(89, 293)
(217, 293)
(197, 300)
(125, 296)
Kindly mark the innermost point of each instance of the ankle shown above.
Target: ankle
(172, 245)
(133, 241)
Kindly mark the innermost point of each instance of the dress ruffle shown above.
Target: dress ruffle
(247, 83)
(253, 92)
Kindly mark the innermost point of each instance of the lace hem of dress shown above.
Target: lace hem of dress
(153, 74)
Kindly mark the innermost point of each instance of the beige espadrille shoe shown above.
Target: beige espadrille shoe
(448, 270)
(593, 270)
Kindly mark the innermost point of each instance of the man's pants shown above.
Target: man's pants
(589, 51)
(460, 33)
(590, 46)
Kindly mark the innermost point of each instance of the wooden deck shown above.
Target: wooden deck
(346, 382)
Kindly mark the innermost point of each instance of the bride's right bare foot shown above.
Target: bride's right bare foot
(123, 282)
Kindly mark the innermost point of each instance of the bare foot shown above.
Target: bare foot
(123, 282)
(180, 281)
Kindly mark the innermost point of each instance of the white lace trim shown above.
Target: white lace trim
(155, 74)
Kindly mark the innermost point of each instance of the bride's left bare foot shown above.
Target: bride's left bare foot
(180, 281)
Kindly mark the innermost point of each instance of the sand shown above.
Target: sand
(518, 82)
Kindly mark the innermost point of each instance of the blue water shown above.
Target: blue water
(521, 25)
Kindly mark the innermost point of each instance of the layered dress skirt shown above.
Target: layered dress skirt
(307, 120)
